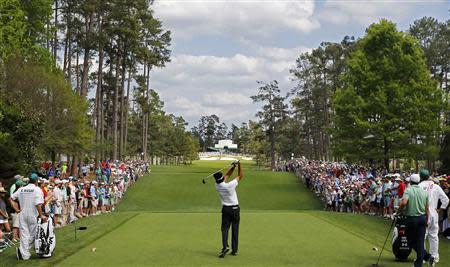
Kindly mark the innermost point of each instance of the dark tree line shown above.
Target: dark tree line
(101, 53)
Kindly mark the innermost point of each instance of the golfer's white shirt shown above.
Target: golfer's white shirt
(435, 193)
(29, 196)
(227, 192)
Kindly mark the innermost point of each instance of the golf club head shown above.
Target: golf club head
(203, 181)
(82, 228)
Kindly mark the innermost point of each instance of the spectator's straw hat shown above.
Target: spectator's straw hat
(2, 190)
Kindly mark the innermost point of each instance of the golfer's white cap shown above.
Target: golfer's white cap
(415, 178)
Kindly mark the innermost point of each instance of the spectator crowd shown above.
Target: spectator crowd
(351, 188)
(67, 198)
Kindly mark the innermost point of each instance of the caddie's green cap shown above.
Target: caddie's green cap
(34, 177)
(424, 174)
(19, 183)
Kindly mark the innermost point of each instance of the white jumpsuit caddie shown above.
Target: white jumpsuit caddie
(28, 197)
(435, 193)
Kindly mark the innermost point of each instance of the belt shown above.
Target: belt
(232, 206)
(423, 215)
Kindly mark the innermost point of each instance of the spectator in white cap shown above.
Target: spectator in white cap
(65, 206)
(72, 200)
(93, 196)
(58, 192)
(14, 216)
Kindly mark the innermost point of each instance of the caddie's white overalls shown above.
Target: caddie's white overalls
(28, 197)
(435, 193)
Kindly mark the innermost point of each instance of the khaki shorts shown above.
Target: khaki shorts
(84, 203)
(94, 202)
(58, 209)
(15, 220)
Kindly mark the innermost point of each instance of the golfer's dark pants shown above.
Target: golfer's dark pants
(416, 228)
(230, 217)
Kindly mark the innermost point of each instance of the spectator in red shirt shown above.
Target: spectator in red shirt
(401, 188)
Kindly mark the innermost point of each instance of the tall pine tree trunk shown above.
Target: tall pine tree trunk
(77, 70)
(116, 107)
(125, 139)
(99, 100)
(122, 106)
(69, 60)
(55, 37)
(86, 57)
(272, 148)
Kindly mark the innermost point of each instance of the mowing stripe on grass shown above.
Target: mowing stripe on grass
(267, 239)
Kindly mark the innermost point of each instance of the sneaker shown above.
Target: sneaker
(223, 252)
(234, 253)
(18, 254)
(431, 261)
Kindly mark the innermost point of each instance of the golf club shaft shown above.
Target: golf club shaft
(387, 237)
(217, 171)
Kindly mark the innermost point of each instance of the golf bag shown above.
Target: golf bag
(45, 240)
(400, 243)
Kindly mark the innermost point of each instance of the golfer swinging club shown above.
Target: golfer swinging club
(230, 207)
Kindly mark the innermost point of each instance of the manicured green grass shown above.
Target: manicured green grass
(66, 244)
(193, 239)
(180, 189)
(170, 218)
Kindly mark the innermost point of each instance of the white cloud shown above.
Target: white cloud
(193, 86)
(365, 12)
(237, 19)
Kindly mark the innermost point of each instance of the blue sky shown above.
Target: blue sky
(221, 48)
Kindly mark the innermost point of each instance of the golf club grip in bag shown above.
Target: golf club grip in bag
(400, 243)
(45, 240)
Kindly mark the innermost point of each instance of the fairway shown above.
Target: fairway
(171, 219)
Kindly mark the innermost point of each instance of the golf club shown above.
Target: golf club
(387, 237)
(204, 179)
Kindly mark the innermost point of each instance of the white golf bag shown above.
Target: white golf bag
(45, 240)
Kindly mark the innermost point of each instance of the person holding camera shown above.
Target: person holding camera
(230, 207)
